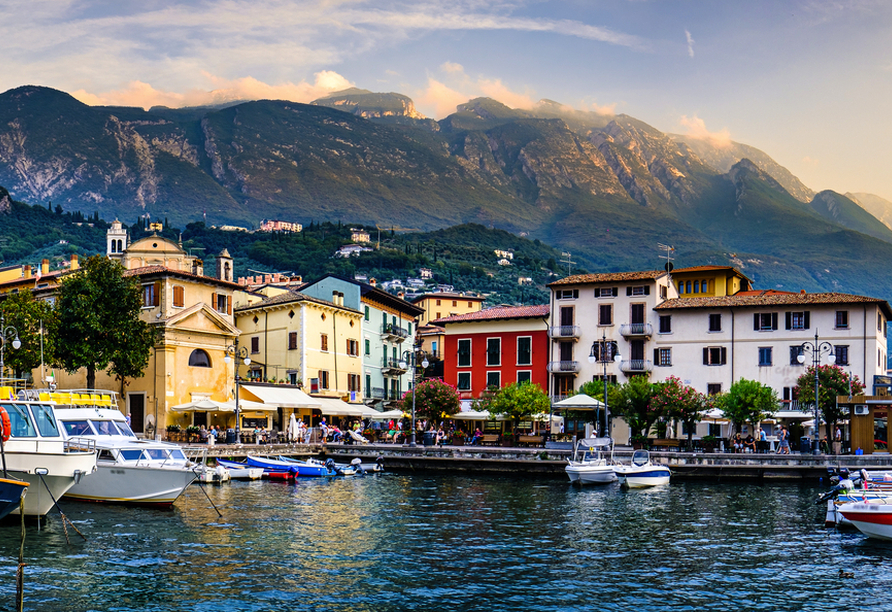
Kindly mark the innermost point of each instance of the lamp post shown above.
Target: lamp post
(238, 353)
(411, 358)
(7, 334)
(604, 351)
(816, 349)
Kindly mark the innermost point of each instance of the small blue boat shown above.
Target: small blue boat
(316, 468)
(273, 468)
(11, 493)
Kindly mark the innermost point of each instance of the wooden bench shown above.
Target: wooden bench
(668, 444)
(489, 439)
(530, 440)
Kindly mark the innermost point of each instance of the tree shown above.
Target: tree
(25, 314)
(747, 401)
(519, 400)
(594, 389)
(674, 399)
(434, 399)
(98, 322)
(832, 382)
(631, 400)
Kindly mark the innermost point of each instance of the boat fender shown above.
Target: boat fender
(7, 424)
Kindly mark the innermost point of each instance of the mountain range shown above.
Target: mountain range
(605, 188)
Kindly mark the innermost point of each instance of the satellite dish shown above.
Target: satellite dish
(669, 267)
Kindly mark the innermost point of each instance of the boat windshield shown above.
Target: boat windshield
(77, 428)
(46, 421)
(105, 428)
(131, 455)
(20, 421)
(157, 453)
(125, 430)
(177, 454)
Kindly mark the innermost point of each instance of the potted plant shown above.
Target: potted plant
(192, 433)
(458, 438)
(638, 441)
(173, 432)
(709, 443)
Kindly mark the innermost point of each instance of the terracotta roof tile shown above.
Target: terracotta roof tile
(149, 270)
(289, 298)
(500, 312)
(608, 277)
(755, 299)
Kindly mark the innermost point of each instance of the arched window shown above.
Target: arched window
(199, 359)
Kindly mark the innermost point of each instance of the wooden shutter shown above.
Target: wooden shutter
(774, 320)
(788, 318)
(807, 321)
(228, 304)
(628, 290)
(156, 297)
(705, 356)
(214, 301)
(724, 359)
(646, 289)
(756, 322)
(657, 357)
(179, 297)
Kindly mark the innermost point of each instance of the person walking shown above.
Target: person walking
(837, 441)
(783, 442)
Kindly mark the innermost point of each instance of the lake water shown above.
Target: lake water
(396, 542)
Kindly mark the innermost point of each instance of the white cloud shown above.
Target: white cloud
(439, 100)
(690, 43)
(810, 161)
(452, 68)
(695, 127)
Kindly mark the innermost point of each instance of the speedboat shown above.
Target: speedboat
(863, 487)
(592, 462)
(37, 453)
(11, 494)
(273, 468)
(240, 471)
(129, 470)
(641, 472)
(872, 518)
(317, 468)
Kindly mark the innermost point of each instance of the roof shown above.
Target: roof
(290, 298)
(500, 312)
(710, 269)
(379, 294)
(165, 271)
(451, 296)
(608, 277)
(755, 299)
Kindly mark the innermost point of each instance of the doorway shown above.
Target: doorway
(136, 407)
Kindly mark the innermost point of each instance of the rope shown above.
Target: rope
(201, 486)
(20, 572)
(65, 520)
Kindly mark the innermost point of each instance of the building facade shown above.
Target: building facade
(439, 305)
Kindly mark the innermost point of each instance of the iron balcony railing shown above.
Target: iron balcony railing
(394, 331)
(636, 365)
(563, 366)
(636, 329)
(564, 331)
(376, 393)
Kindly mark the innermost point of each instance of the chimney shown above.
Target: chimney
(334, 298)
(75, 264)
(400, 295)
(802, 292)
(44, 266)
(373, 282)
(26, 271)
(267, 279)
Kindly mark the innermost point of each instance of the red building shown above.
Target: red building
(496, 347)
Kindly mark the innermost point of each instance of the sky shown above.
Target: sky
(808, 82)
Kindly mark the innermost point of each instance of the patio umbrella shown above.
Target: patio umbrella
(580, 401)
(203, 405)
(291, 430)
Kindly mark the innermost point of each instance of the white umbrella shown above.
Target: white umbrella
(291, 431)
(203, 405)
(580, 401)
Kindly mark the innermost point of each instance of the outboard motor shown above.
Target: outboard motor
(380, 463)
(357, 465)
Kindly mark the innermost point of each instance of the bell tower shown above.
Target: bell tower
(115, 241)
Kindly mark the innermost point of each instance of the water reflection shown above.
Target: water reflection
(417, 542)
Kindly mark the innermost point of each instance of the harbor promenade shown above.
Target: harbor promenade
(550, 462)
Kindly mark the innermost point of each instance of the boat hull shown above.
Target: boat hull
(138, 485)
(872, 519)
(639, 478)
(11, 493)
(63, 470)
(590, 474)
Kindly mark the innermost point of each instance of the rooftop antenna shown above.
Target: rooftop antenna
(669, 250)
(568, 261)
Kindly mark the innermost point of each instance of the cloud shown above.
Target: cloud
(452, 68)
(690, 43)
(497, 90)
(605, 109)
(695, 127)
(144, 95)
(439, 100)
(810, 161)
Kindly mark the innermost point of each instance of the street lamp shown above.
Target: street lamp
(238, 353)
(816, 349)
(604, 351)
(411, 358)
(7, 334)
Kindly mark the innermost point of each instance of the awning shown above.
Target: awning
(792, 414)
(204, 405)
(334, 407)
(471, 415)
(249, 406)
(285, 397)
(580, 401)
(390, 414)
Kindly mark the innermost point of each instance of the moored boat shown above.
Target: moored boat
(240, 471)
(642, 473)
(273, 468)
(11, 493)
(592, 462)
(872, 518)
(316, 468)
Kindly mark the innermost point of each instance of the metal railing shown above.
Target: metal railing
(636, 365)
(564, 331)
(636, 329)
(563, 366)
(394, 331)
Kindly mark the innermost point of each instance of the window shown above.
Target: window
(255, 344)
(714, 355)
(464, 381)
(638, 290)
(688, 287)
(434, 348)
(715, 322)
(842, 354)
(368, 346)
(567, 294)
(713, 389)
(470, 305)
(323, 379)
(797, 320)
(438, 302)
(367, 313)
(179, 297)
(606, 292)
(353, 382)
(696, 286)
(605, 314)
(464, 353)
(795, 351)
(292, 341)
(353, 349)
(438, 315)
(791, 394)
(199, 359)
(663, 356)
(765, 356)
(493, 351)
(150, 295)
(665, 324)
(524, 350)
(842, 319)
(454, 303)
(765, 321)
(879, 322)
(493, 379)
(324, 342)
(524, 376)
(680, 287)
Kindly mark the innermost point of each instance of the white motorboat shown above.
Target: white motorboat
(862, 487)
(642, 472)
(872, 518)
(129, 470)
(215, 475)
(592, 462)
(38, 454)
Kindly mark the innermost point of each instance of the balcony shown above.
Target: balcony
(564, 332)
(392, 367)
(636, 330)
(563, 367)
(394, 333)
(636, 366)
(376, 393)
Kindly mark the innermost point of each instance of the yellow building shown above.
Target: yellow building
(41, 281)
(710, 281)
(440, 305)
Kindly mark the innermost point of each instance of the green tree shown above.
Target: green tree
(676, 400)
(434, 399)
(520, 400)
(631, 400)
(747, 401)
(832, 382)
(25, 314)
(594, 389)
(98, 322)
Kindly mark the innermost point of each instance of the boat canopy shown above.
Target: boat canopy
(596, 442)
